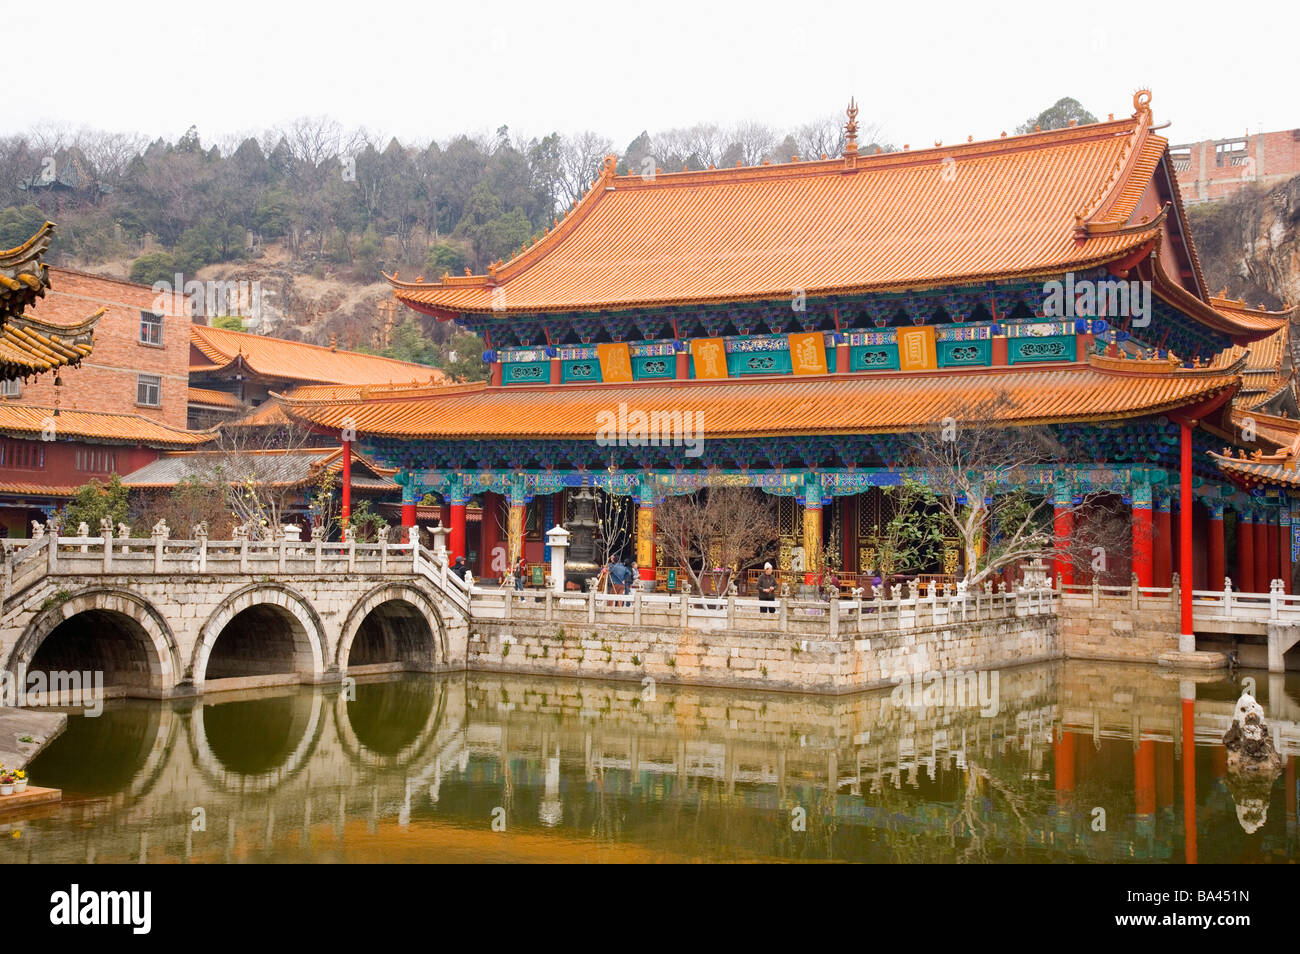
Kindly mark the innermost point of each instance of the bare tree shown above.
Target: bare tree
(975, 474)
(715, 526)
(581, 158)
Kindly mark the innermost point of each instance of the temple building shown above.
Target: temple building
(789, 324)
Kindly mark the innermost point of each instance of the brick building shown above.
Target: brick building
(141, 358)
(1217, 168)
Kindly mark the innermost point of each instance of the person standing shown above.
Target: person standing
(767, 588)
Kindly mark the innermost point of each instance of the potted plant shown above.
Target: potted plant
(20, 782)
(6, 783)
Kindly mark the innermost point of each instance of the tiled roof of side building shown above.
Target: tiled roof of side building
(1015, 207)
(289, 468)
(24, 420)
(841, 404)
(299, 361)
(212, 398)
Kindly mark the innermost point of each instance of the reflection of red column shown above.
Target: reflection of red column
(1245, 551)
(1187, 641)
(1063, 529)
(1144, 776)
(1189, 778)
(1141, 529)
(1064, 756)
(1162, 544)
(1215, 563)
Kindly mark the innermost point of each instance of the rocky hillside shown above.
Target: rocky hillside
(1250, 244)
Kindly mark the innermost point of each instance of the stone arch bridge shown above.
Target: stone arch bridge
(160, 617)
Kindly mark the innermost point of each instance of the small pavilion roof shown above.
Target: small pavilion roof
(215, 349)
(1102, 390)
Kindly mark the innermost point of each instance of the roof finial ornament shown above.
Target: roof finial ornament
(851, 129)
(1142, 102)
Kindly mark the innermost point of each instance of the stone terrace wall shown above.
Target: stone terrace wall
(1118, 627)
(738, 658)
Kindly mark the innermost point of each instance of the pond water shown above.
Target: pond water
(1062, 762)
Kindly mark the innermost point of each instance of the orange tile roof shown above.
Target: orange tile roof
(1014, 207)
(841, 404)
(298, 361)
(1259, 473)
(23, 276)
(25, 420)
(211, 398)
(37, 490)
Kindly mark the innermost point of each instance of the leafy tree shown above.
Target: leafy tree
(227, 322)
(444, 257)
(94, 501)
(154, 267)
(19, 224)
(1057, 116)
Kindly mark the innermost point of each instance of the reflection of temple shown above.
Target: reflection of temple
(605, 773)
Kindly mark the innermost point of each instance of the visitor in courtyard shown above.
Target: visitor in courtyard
(767, 588)
(521, 571)
(459, 568)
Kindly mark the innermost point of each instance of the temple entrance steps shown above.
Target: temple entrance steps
(159, 617)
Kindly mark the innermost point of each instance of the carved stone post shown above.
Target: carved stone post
(106, 531)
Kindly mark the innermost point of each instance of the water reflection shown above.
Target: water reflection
(1080, 762)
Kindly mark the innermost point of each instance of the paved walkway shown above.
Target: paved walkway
(41, 726)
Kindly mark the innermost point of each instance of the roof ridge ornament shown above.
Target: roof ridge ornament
(851, 129)
(1142, 104)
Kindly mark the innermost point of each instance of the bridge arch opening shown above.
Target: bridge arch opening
(111, 645)
(264, 639)
(394, 635)
(95, 643)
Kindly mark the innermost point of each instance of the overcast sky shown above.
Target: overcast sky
(924, 69)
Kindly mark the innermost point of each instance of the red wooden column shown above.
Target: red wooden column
(1284, 544)
(1063, 530)
(1162, 542)
(1214, 564)
(1262, 576)
(645, 531)
(456, 501)
(1141, 529)
(1274, 558)
(491, 536)
(1245, 581)
(1186, 637)
(346, 509)
(406, 480)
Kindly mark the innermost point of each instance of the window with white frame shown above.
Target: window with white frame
(11, 388)
(151, 328)
(148, 390)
